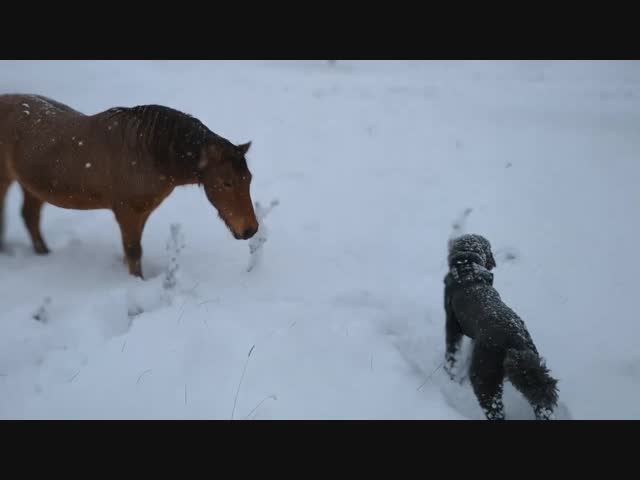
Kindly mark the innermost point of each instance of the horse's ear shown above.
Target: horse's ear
(244, 148)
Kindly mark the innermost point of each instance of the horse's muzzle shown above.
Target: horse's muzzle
(246, 234)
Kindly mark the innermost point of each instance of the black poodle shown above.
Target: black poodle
(502, 346)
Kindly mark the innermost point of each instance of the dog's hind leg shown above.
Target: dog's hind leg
(487, 375)
(531, 377)
(543, 413)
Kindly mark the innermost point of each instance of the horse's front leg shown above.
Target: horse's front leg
(131, 227)
(31, 208)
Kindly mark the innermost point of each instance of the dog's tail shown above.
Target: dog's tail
(530, 376)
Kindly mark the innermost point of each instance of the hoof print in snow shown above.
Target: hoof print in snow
(459, 224)
(42, 314)
(507, 255)
(134, 311)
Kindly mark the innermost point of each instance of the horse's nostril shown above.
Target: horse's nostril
(249, 232)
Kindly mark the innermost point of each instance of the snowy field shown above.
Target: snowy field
(371, 163)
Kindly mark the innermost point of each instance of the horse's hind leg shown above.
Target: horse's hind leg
(31, 208)
(131, 227)
(4, 187)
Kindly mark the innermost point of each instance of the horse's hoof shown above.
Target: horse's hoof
(42, 250)
(136, 272)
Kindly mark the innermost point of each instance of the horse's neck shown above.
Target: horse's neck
(175, 173)
(177, 176)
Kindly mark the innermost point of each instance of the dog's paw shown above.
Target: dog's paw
(450, 368)
(455, 373)
(449, 373)
(543, 413)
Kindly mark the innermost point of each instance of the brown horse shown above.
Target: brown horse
(127, 160)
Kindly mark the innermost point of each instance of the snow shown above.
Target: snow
(372, 164)
(257, 242)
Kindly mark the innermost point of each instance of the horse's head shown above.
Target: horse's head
(227, 180)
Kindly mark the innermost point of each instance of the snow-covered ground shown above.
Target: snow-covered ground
(342, 317)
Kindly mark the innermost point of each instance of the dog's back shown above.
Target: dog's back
(484, 317)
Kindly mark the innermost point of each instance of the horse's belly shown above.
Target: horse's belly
(83, 183)
(78, 201)
(64, 184)
(65, 197)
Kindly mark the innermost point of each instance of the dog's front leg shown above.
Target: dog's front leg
(453, 338)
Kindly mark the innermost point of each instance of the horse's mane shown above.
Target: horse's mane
(174, 138)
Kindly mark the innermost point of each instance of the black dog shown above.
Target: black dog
(502, 346)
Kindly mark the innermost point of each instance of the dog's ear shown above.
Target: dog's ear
(488, 253)
(491, 262)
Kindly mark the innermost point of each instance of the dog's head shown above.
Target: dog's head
(472, 248)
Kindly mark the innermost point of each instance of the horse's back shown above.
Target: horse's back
(9, 105)
(29, 117)
(44, 143)
(24, 110)
(55, 104)
(33, 101)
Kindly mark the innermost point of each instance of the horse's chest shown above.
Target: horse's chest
(144, 200)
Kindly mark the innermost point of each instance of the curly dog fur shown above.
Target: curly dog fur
(502, 346)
